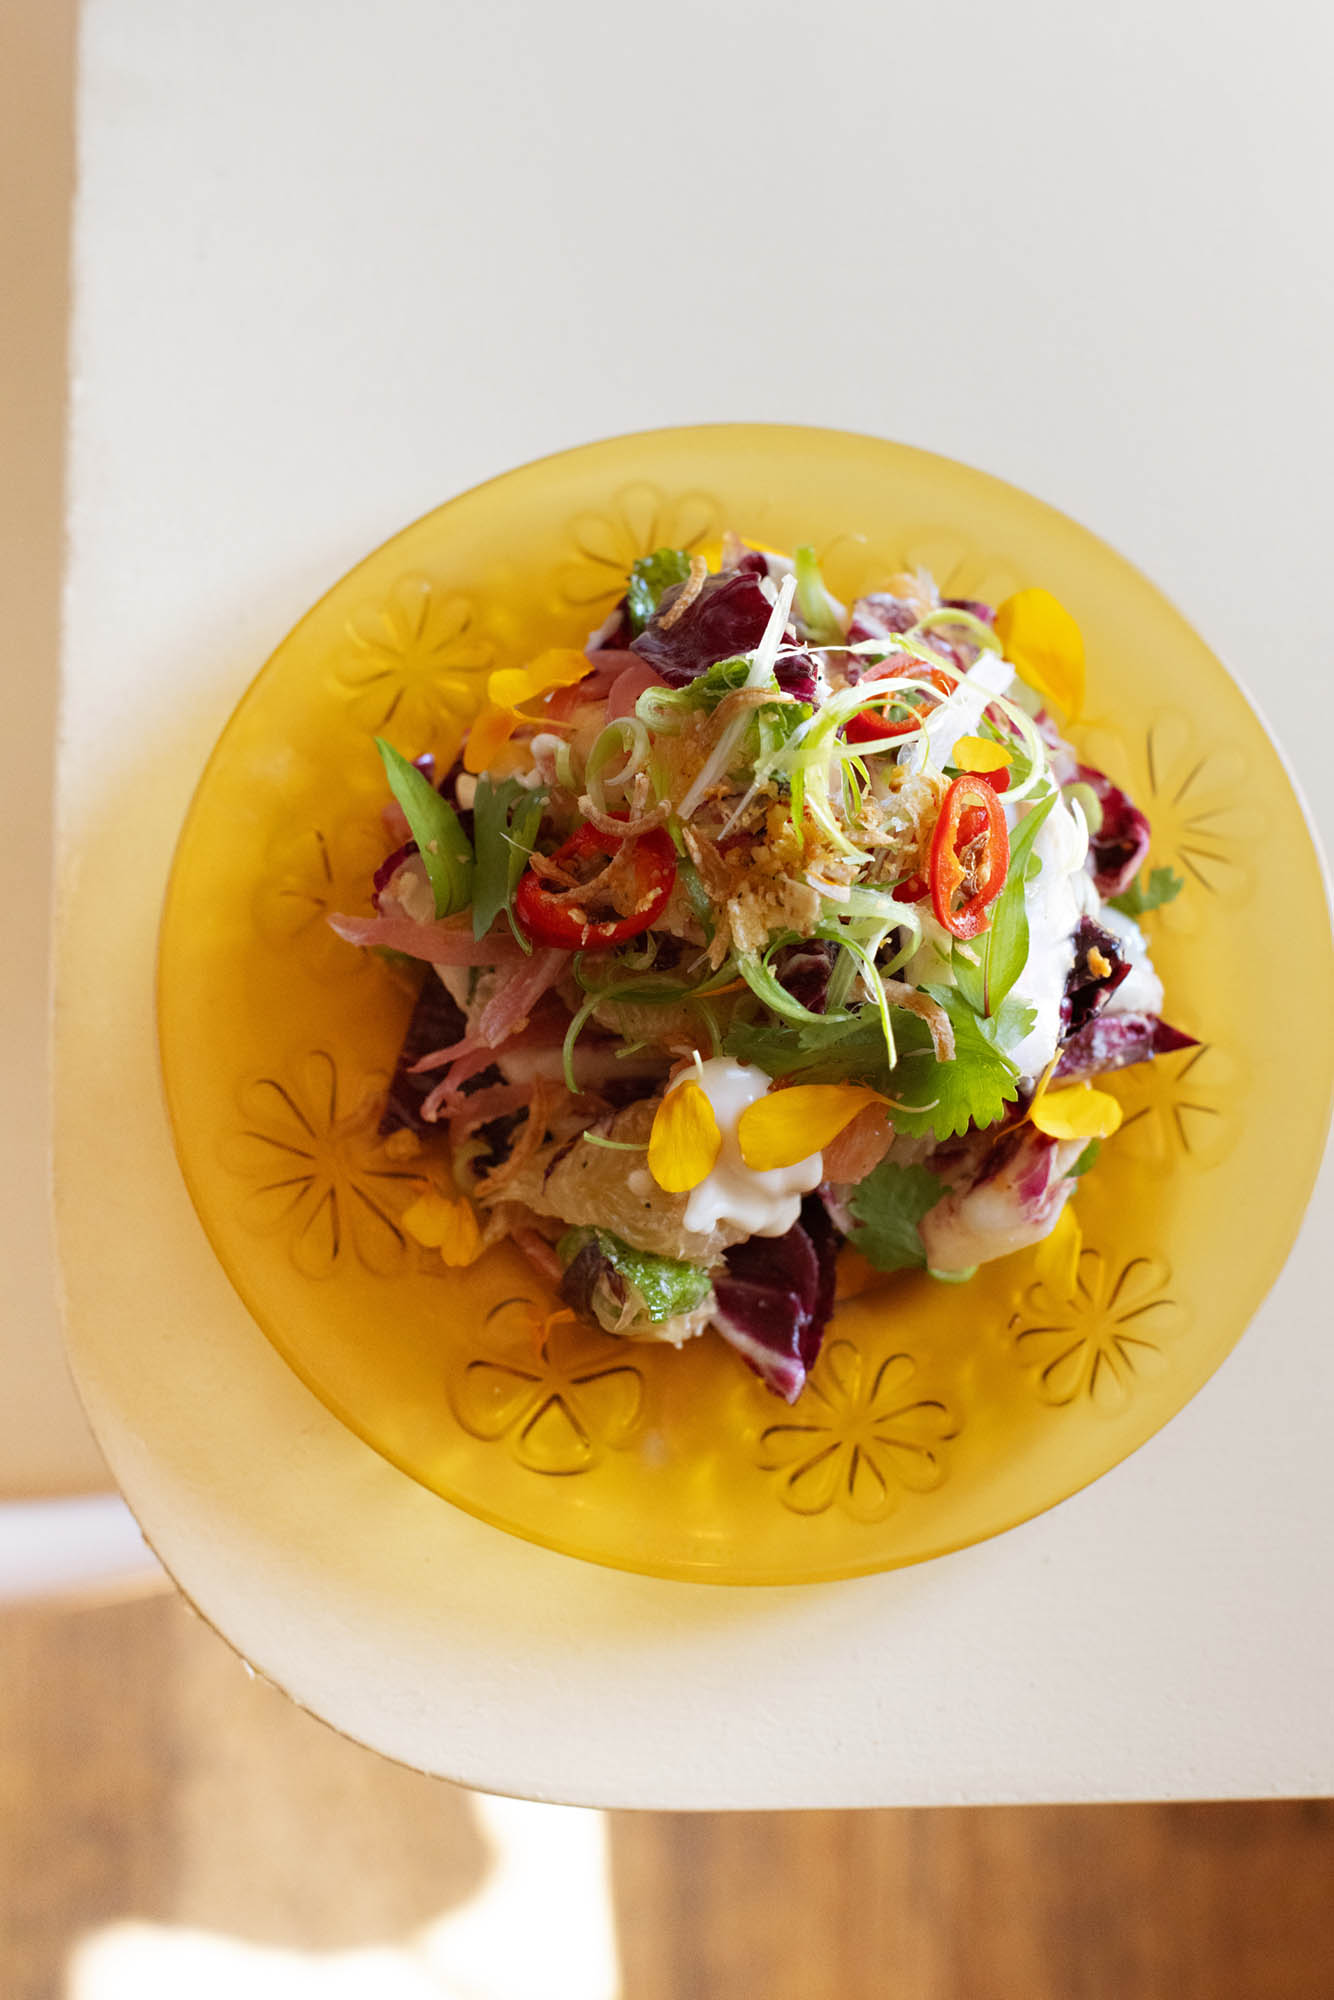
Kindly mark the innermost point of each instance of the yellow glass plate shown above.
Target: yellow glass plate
(937, 1414)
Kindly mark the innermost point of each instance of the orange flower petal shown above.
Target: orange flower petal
(447, 1226)
(685, 1140)
(1079, 1112)
(980, 753)
(560, 667)
(790, 1125)
(1043, 641)
(490, 733)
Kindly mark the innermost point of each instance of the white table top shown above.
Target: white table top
(327, 275)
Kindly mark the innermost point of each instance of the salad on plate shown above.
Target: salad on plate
(769, 944)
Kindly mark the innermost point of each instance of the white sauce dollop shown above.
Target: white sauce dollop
(1054, 902)
(763, 1204)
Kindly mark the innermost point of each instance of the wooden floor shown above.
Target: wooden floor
(152, 1793)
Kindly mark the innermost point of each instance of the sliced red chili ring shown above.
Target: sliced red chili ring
(873, 725)
(546, 918)
(970, 818)
(911, 889)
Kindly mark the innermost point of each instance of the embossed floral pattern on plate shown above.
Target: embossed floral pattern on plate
(862, 1432)
(1104, 1337)
(414, 666)
(311, 872)
(319, 1174)
(556, 1392)
(637, 520)
(1180, 1110)
(1201, 809)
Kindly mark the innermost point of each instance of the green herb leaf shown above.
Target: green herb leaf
(888, 1206)
(945, 1099)
(822, 1048)
(968, 975)
(1086, 1159)
(1164, 885)
(815, 607)
(659, 1287)
(1009, 1025)
(649, 578)
(942, 1099)
(1004, 945)
(722, 678)
(506, 817)
(775, 725)
(445, 849)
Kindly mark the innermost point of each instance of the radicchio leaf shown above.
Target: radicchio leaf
(1114, 1041)
(880, 616)
(1120, 845)
(725, 621)
(803, 971)
(775, 1301)
(1087, 991)
(590, 1277)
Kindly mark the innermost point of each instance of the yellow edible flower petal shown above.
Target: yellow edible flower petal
(1057, 1260)
(1043, 641)
(685, 1140)
(790, 1125)
(980, 753)
(1079, 1112)
(447, 1226)
(489, 733)
(560, 667)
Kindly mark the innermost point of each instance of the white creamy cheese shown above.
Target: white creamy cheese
(1054, 902)
(763, 1204)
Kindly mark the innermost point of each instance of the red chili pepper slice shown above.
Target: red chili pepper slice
(546, 920)
(873, 725)
(970, 818)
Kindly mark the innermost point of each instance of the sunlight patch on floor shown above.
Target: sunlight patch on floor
(542, 1922)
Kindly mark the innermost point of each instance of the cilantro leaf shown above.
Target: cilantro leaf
(649, 578)
(931, 1097)
(825, 1050)
(445, 848)
(1164, 885)
(947, 1098)
(888, 1205)
(506, 817)
(1008, 1026)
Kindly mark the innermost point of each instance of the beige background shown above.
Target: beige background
(45, 1446)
